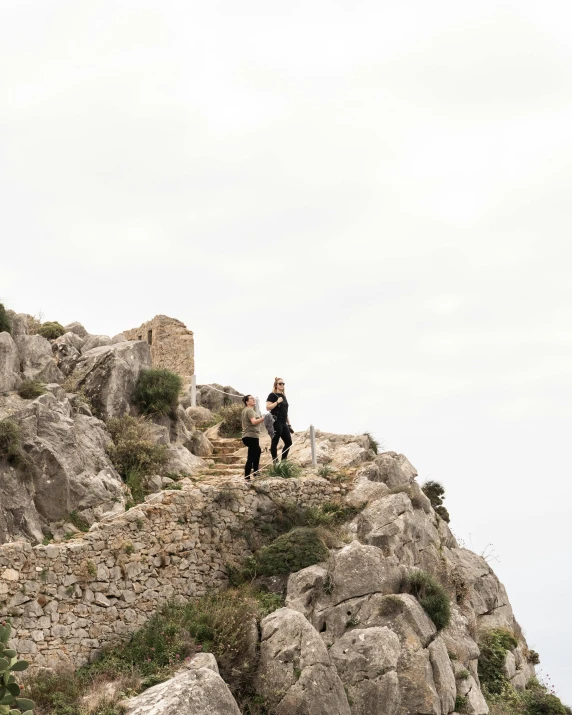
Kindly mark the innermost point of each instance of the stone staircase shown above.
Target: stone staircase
(227, 464)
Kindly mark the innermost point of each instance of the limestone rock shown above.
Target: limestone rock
(181, 461)
(395, 469)
(443, 675)
(76, 328)
(197, 691)
(9, 363)
(365, 660)
(66, 350)
(200, 445)
(295, 674)
(36, 359)
(70, 470)
(212, 397)
(108, 375)
(95, 341)
(199, 414)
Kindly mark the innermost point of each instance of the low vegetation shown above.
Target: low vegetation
(502, 698)
(285, 469)
(30, 389)
(157, 391)
(373, 443)
(431, 595)
(213, 624)
(231, 421)
(436, 494)
(5, 324)
(134, 453)
(11, 445)
(289, 553)
(51, 330)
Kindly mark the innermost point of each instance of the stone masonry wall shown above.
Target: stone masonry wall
(67, 601)
(172, 345)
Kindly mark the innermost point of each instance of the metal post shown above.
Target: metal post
(313, 445)
(194, 391)
(257, 405)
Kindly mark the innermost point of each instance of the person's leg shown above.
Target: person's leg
(275, 440)
(247, 441)
(256, 457)
(287, 439)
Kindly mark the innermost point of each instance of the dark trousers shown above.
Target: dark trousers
(281, 432)
(254, 452)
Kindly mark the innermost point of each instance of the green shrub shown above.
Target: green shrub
(436, 494)
(157, 391)
(78, 521)
(460, 703)
(30, 389)
(494, 645)
(539, 701)
(291, 552)
(231, 423)
(10, 700)
(51, 330)
(133, 449)
(325, 471)
(11, 448)
(431, 595)
(5, 324)
(285, 469)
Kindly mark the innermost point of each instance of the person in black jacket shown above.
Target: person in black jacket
(277, 404)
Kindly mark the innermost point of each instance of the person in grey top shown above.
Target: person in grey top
(251, 422)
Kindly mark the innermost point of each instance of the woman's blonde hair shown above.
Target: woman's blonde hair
(275, 385)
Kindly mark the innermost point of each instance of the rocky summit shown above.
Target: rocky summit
(134, 550)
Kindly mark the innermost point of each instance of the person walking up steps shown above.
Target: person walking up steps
(277, 404)
(251, 422)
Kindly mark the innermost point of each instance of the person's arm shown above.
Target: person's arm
(272, 405)
(256, 420)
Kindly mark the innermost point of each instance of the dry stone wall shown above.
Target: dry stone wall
(172, 344)
(68, 601)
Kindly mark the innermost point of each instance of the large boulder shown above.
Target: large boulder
(366, 660)
(196, 691)
(181, 461)
(67, 351)
(200, 445)
(107, 375)
(214, 396)
(76, 328)
(9, 363)
(36, 359)
(67, 469)
(95, 341)
(395, 470)
(295, 675)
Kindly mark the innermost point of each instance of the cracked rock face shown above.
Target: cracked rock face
(107, 375)
(70, 469)
(295, 674)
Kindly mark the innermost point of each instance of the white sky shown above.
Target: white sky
(371, 199)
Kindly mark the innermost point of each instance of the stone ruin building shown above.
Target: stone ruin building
(172, 345)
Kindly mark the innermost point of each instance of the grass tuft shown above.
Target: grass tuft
(431, 595)
(30, 389)
(285, 469)
(5, 324)
(291, 552)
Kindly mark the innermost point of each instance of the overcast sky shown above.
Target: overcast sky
(370, 199)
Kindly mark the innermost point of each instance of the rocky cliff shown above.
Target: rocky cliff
(390, 618)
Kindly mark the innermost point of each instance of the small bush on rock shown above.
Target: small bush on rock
(30, 389)
(157, 391)
(431, 595)
(11, 444)
(51, 330)
(5, 325)
(291, 552)
(494, 645)
(231, 424)
(436, 494)
(133, 452)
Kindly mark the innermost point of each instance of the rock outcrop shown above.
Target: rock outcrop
(9, 364)
(107, 376)
(196, 691)
(67, 469)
